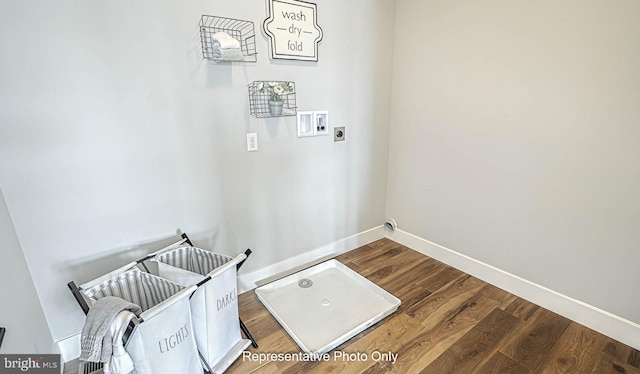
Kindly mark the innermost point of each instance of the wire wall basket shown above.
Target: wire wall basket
(242, 31)
(261, 103)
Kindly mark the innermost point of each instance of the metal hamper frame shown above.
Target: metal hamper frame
(75, 290)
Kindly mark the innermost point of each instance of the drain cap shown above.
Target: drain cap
(305, 283)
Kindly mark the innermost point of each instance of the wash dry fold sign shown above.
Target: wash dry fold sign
(293, 29)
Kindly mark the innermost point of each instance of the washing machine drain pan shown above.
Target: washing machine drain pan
(325, 305)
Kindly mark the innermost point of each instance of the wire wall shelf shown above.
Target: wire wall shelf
(242, 31)
(261, 104)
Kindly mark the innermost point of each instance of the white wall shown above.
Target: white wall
(114, 134)
(20, 310)
(514, 139)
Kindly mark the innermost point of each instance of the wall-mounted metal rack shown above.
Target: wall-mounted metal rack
(242, 31)
(261, 104)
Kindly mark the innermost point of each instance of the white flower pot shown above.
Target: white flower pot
(275, 107)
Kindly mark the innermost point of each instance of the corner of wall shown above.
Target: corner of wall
(27, 330)
(597, 319)
(249, 281)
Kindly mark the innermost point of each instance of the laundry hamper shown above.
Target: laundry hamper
(163, 339)
(214, 304)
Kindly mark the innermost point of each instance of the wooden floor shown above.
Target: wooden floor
(449, 322)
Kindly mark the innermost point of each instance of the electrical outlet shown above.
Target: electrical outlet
(252, 142)
(338, 134)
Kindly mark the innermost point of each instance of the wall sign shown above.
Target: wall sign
(293, 29)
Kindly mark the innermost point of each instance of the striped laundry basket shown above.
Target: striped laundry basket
(214, 304)
(163, 340)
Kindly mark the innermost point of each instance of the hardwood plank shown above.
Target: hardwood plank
(522, 309)
(410, 297)
(476, 346)
(365, 254)
(379, 257)
(250, 307)
(438, 278)
(448, 323)
(368, 251)
(499, 363)
(269, 368)
(622, 352)
(501, 296)
(263, 325)
(575, 352)
(389, 267)
(385, 243)
(378, 368)
(387, 337)
(431, 309)
(609, 364)
(531, 342)
(403, 279)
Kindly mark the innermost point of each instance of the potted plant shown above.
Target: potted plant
(275, 91)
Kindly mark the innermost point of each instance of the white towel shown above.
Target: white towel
(223, 40)
(234, 54)
(120, 362)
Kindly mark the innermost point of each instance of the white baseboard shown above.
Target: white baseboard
(249, 281)
(70, 347)
(594, 318)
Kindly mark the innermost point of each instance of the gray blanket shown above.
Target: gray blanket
(96, 340)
